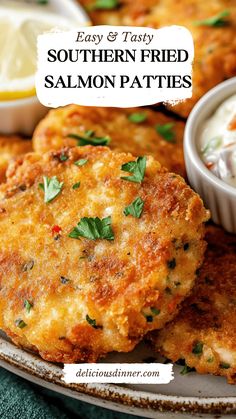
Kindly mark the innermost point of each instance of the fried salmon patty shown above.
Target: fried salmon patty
(108, 257)
(215, 43)
(157, 135)
(10, 147)
(204, 332)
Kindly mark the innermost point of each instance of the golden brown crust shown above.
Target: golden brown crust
(11, 147)
(138, 139)
(114, 282)
(215, 47)
(208, 316)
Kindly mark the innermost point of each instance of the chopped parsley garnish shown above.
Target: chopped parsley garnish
(92, 322)
(215, 21)
(76, 185)
(28, 266)
(224, 365)
(137, 117)
(80, 162)
(90, 139)
(93, 229)
(20, 323)
(186, 370)
(137, 167)
(155, 311)
(171, 263)
(27, 305)
(63, 157)
(166, 132)
(211, 359)
(197, 349)
(51, 187)
(135, 208)
(104, 5)
(43, 2)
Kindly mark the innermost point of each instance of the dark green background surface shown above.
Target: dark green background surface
(20, 399)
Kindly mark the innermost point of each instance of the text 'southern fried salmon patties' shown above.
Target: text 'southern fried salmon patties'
(97, 248)
(11, 147)
(212, 24)
(204, 331)
(139, 131)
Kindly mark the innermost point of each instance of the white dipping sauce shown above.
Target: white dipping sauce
(218, 142)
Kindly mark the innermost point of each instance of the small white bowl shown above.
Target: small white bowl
(217, 195)
(22, 115)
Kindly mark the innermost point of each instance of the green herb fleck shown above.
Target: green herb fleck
(166, 132)
(224, 365)
(90, 139)
(104, 5)
(28, 266)
(155, 311)
(76, 185)
(20, 323)
(137, 117)
(211, 359)
(43, 2)
(215, 21)
(135, 208)
(171, 264)
(213, 144)
(197, 349)
(51, 187)
(27, 305)
(93, 229)
(80, 162)
(92, 322)
(63, 157)
(186, 370)
(137, 167)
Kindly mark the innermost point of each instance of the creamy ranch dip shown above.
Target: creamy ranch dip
(218, 142)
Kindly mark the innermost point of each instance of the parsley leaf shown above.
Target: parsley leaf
(155, 311)
(215, 21)
(27, 305)
(135, 209)
(137, 117)
(51, 187)
(90, 139)
(197, 349)
(93, 229)
(20, 323)
(92, 322)
(137, 167)
(186, 370)
(63, 157)
(43, 2)
(224, 365)
(76, 185)
(104, 5)
(80, 162)
(166, 132)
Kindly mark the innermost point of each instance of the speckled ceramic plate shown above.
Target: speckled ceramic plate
(201, 396)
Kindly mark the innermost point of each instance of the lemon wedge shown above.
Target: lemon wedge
(20, 25)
